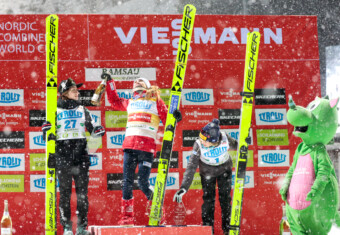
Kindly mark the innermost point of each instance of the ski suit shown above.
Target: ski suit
(215, 164)
(139, 145)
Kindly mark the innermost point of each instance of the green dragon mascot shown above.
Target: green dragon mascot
(310, 188)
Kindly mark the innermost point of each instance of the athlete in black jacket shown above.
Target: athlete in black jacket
(71, 158)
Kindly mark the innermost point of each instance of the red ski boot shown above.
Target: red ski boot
(127, 215)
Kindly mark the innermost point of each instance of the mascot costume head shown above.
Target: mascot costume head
(310, 188)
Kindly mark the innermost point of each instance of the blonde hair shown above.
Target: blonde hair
(153, 92)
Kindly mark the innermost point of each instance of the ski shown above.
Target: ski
(253, 42)
(170, 125)
(51, 109)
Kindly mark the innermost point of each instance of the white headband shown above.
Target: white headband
(146, 81)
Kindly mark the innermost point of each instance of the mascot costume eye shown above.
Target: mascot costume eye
(310, 188)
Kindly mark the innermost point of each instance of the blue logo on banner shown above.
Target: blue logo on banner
(246, 180)
(39, 140)
(117, 139)
(9, 162)
(169, 181)
(197, 96)
(95, 117)
(9, 97)
(271, 116)
(40, 183)
(125, 95)
(234, 134)
(69, 114)
(93, 160)
(273, 158)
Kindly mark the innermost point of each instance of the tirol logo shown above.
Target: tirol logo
(9, 162)
(69, 114)
(197, 96)
(140, 105)
(39, 140)
(9, 97)
(117, 139)
(93, 160)
(271, 116)
(40, 183)
(169, 181)
(274, 158)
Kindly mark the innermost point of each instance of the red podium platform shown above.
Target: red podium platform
(143, 230)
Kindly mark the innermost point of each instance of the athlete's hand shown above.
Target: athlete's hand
(46, 126)
(179, 194)
(283, 192)
(177, 115)
(106, 76)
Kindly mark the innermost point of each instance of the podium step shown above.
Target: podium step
(146, 230)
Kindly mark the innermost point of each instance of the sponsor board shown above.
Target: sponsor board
(11, 97)
(93, 143)
(271, 116)
(249, 180)
(12, 184)
(12, 162)
(122, 93)
(115, 139)
(165, 96)
(96, 116)
(12, 140)
(173, 160)
(229, 117)
(36, 118)
(229, 97)
(172, 181)
(272, 137)
(275, 178)
(96, 181)
(85, 97)
(189, 137)
(15, 119)
(115, 181)
(38, 183)
(197, 97)
(37, 161)
(235, 133)
(96, 160)
(114, 161)
(273, 158)
(115, 119)
(196, 181)
(250, 158)
(36, 99)
(185, 158)
(270, 96)
(36, 140)
(120, 74)
(197, 117)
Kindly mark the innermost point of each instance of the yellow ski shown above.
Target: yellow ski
(51, 109)
(175, 97)
(252, 51)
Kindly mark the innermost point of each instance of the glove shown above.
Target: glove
(179, 194)
(283, 192)
(46, 126)
(98, 131)
(312, 194)
(106, 77)
(177, 115)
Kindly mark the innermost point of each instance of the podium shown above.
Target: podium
(150, 230)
